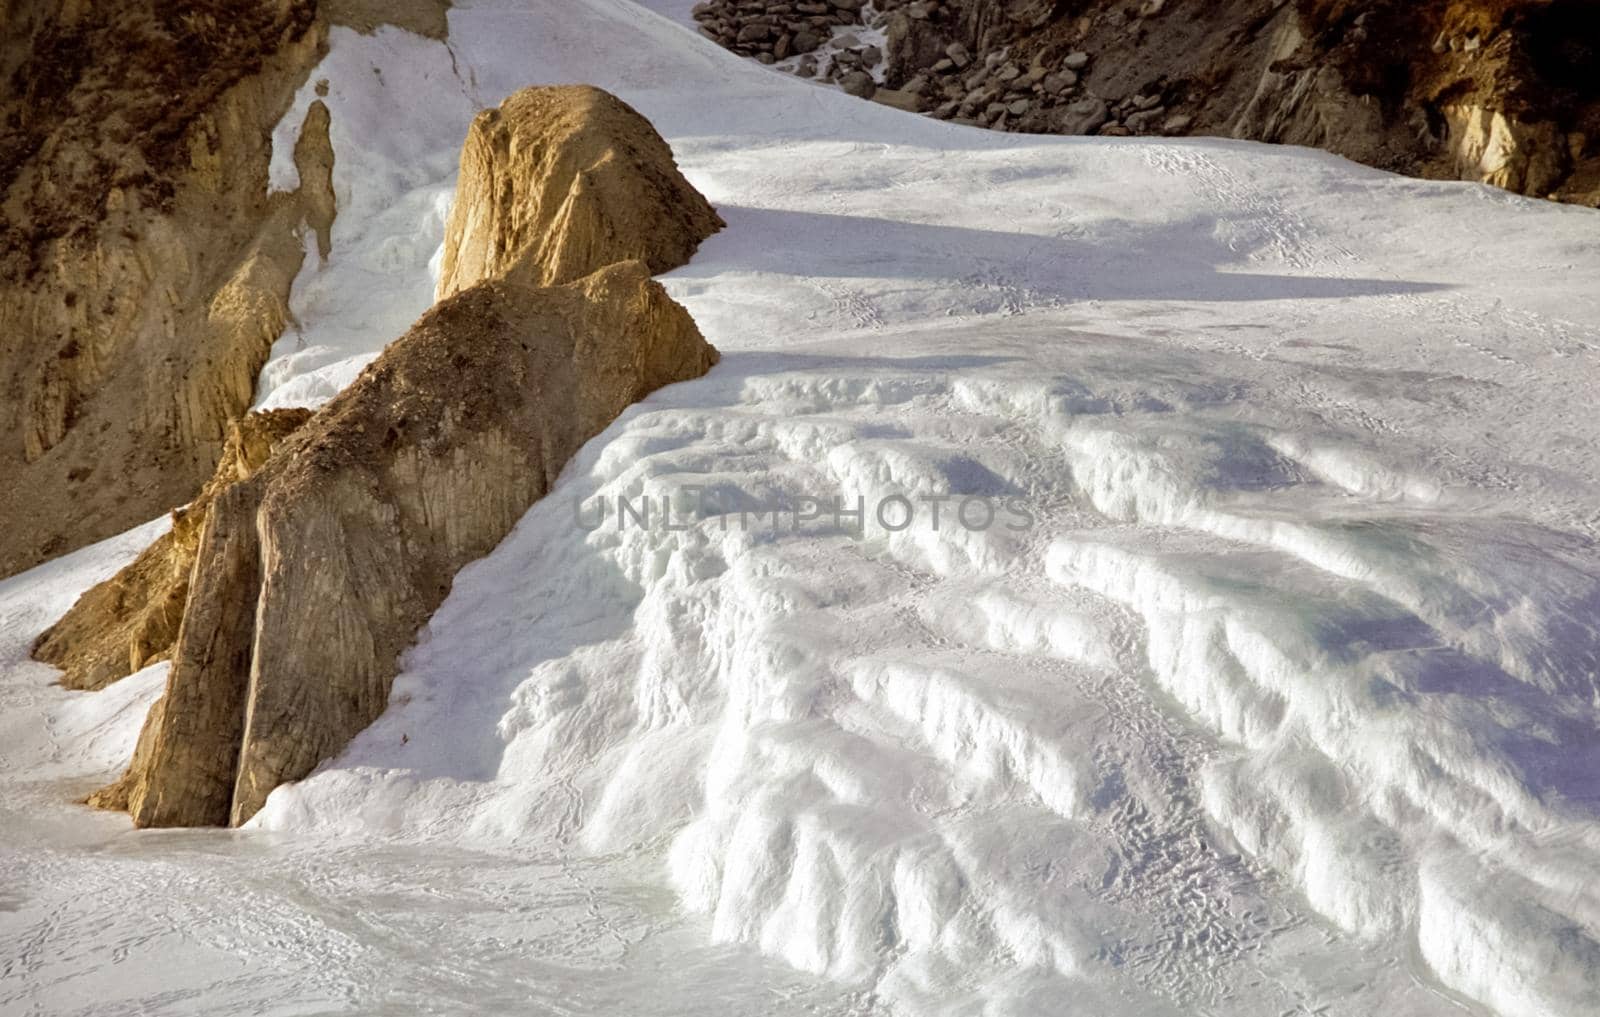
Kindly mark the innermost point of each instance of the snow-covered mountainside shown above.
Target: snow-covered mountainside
(1272, 686)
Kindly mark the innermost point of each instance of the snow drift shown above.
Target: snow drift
(1284, 699)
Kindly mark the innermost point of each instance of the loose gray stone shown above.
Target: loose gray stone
(1083, 117)
(859, 84)
(1140, 123)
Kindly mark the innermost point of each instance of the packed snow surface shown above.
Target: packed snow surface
(1272, 687)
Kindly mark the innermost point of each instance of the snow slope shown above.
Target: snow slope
(1287, 699)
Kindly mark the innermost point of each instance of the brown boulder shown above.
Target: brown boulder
(312, 574)
(561, 181)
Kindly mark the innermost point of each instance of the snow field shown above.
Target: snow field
(1285, 702)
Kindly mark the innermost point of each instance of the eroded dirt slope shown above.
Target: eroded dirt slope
(144, 271)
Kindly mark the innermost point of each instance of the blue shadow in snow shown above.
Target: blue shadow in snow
(1177, 261)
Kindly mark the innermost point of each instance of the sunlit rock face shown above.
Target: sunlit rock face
(558, 182)
(313, 573)
(144, 267)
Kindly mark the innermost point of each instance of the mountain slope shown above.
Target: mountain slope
(1498, 91)
(1284, 696)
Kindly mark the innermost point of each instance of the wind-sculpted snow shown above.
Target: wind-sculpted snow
(1272, 688)
(927, 759)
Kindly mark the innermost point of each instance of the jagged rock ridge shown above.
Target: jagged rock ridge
(131, 620)
(312, 575)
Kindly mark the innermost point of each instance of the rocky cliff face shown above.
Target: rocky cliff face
(144, 271)
(144, 268)
(312, 574)
(562, 181)
(1500, 91)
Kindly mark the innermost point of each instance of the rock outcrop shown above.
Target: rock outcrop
(312, 574)
(131, 620)
(144, 269)
(561, 181)
(1500, 91)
